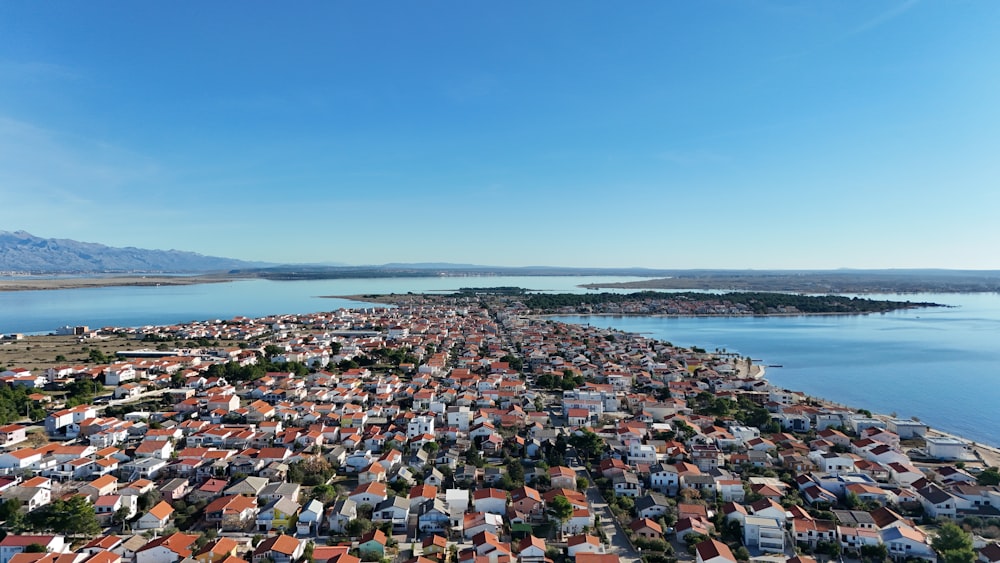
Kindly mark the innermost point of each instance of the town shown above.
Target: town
(461, 429)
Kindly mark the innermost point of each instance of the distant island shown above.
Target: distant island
(830, 281)
(28, 262)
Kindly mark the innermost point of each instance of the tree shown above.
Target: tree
(691, 540)
(307, 552)
(365, 511)
(875, 553)
(97, 356)
(358, 527)
(953, 544)
(120, 515)
(75, 516)
(9, 509)
(513, 361)
(473, 457)
(560, 510)
(989, 477)
(852, 500)
(515, 470)
(506, 483)
(588, 443)
(323, 493)
(148, 500)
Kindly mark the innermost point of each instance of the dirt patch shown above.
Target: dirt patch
(32, 284)
(41, 352)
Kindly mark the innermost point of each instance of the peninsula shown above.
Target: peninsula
(663, 303)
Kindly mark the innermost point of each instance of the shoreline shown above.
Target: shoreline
(987, 455)
(749, 316)
(50, 284)
(396, 299)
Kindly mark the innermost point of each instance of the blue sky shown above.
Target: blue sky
(756, 134)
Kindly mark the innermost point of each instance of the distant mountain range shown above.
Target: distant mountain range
(24, 252)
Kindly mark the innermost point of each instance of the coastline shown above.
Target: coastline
(987, 455)
(111, 281)
(383, 299)
(706, 316)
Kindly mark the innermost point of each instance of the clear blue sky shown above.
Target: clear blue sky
(755, 134)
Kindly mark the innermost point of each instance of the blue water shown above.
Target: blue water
(44, 311)
(940, 365)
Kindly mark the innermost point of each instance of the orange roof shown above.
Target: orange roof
(220, 546)
(105, 557)
(281, 543)
(103, 481)
(162, 510)
(104, 542)
(37, 481)
(231, 503)
(178, 543)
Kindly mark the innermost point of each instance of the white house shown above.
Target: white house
(11, 434)
(664, 478)
(831, 462)
(765, 534)
(157, 518)
(309, 519)
(904, 542)
(13, 544)
(490, 500)
(948, 448)
(342, 512)
(419, 426)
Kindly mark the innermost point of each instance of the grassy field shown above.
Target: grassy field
(40, 352)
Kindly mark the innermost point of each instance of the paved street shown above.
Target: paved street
(616, 536)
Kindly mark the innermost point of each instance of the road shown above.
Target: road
(612, 529)
(141, 397)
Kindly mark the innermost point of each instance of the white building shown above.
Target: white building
(419, 426)
(948, 448)
(766, 534)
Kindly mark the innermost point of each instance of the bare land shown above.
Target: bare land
(40, 352)
(34, 284)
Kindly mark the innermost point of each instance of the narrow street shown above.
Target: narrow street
(616, 536)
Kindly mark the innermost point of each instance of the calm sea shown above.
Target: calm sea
(44, 311)
(941, 365)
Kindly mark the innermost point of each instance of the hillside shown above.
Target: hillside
(24, 252)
